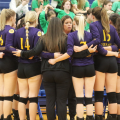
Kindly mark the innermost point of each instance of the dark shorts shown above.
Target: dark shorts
(83, 71)
(27, 70)
(118, 69)
(8, 64)
(105, 64)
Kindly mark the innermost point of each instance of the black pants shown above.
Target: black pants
(71, 100)
(56, 84)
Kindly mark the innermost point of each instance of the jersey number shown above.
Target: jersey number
(109, 37)
(26, 46)
(1, 41)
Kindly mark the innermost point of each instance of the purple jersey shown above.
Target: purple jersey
(73, 40)
(7, 40)
(20, 42)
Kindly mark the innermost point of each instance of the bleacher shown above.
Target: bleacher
(5, 4)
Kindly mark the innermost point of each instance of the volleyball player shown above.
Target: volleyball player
(8, 63)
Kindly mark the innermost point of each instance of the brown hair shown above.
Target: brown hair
(6, 14)
(63, 3)
(81, 4)
(54, 39)
(115, 18)
(106, 2)
(22, 23)
(101, 14)
(89, 11)
(49, 13)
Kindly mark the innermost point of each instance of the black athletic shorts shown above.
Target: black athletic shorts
(118, 69)
(105, 64)
(8, 64)
(27, 70)
(83, 71)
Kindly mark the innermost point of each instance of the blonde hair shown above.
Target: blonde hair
(81, 4)
(30, 18)
(18, 2)
(80, 22)
(6, 14)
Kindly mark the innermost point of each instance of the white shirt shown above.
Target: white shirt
(20, 10)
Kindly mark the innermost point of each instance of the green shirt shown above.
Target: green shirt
(95, 4)
(60, 2)
(35, 4)
(116, 7)
(86, 5)
(43, 22)
(87, 27)
(62, 13)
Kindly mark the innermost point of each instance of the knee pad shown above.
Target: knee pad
(88, 101)
(16, 97)
(23, 100)
(8, 98)
(98, 96)
(112, 97)
(33, 100)
(79, 100)
(1, 98)
(118, 98)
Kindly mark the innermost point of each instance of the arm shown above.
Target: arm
(111, 48)
(114, 6)
(117, 38)
(104, 52)
(94, 4)
(9, 44)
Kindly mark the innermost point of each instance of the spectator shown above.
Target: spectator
(37, 5)
(97, 3)
(82, 7)
(116, 7)
(66, 10)
(20, 7)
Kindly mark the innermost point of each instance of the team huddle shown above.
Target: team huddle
(73, 51)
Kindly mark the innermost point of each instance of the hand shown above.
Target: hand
(52, 61)
(75, 6)
(17, 53)
(25, 2)
(50, 7)
(1, 54)
(92, 50)
(57, 54)
(77, 49)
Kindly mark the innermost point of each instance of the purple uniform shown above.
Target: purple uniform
(105, 40)
(7, 39)
(73, 40)
(20, 42)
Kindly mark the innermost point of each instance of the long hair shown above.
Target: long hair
(101, 14)
(30, 18)
(6, 14)
(81, 4)
(80, 22)
(63, 3)
(54, 39)
(115, 18)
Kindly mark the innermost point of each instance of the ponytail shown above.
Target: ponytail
(6, 14)
(105, 21)
(81, 27)
(30, 18)
(2, 19)
(27, 34)
(80, 22)
(101, 14)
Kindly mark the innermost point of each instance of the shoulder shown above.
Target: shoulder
(11, 30)
(72, 34)
(37, 32)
